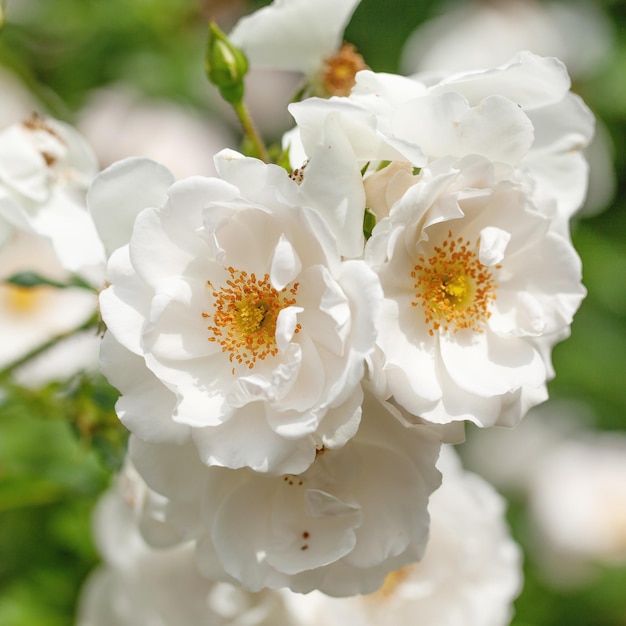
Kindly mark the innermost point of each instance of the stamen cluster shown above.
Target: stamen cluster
(245, 316)
(453, 287)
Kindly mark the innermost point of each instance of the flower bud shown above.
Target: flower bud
(226, 65)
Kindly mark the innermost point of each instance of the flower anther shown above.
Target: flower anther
(245, 316)
(339, 71)
(453, 287)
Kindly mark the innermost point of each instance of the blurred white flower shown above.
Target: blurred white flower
(141, 585)
(577, 503)
(45, 168)
(32, 316)
(509, 458)
(78, 353)
(118, 123)
(469, 575)
(341, 526)
(472, 35)
(233, 294)
(477, 290)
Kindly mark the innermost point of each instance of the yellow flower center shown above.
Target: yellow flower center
(22, 300)
(338, 74)
(453, 287)
(393, 580)
(245, 314)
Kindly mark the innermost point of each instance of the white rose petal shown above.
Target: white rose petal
(293, 34)
(471, 567)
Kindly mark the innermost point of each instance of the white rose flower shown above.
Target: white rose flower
(45, 168)
(305, 37)
(577, 500)
(521, 113)
(233, 295)
(138, 584)
(341, 526)
(469, 576)
(30, 317)
(477, 290)
(119, 123)
(476, 35)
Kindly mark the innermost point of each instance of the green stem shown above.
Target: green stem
(250, 131)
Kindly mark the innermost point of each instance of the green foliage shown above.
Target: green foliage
(65, 48)
(58, 447)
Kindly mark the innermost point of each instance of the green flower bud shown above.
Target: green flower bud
(226, 65)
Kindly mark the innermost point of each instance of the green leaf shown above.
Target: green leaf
(369, 221)
(32, 279)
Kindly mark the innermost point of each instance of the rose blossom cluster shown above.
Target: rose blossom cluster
(294, 343)
(292, 347)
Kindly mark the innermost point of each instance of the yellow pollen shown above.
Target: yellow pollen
(245, 314)
(250, 315)
(457, 288)
(453, 287)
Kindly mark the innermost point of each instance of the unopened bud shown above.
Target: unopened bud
(226, 65)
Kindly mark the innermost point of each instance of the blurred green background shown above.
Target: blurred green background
(58, 447)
